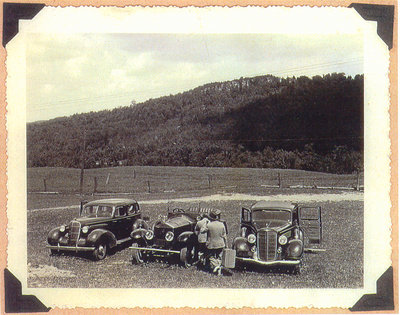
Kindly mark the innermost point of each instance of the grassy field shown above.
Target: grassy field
(341, 266)
(130, 179)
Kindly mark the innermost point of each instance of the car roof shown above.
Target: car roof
(112, 202)
(273, 205)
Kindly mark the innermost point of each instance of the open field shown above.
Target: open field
(137, 179)
(341, 266)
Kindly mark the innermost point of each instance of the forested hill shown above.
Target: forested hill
(264, 121)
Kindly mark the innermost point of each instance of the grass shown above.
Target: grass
(341, 266)
(138, 179)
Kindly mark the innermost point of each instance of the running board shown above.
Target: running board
(123, 240)
(159, 250)
(314, 250)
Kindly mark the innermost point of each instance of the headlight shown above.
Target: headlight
(62, 228)
(282, 240)
(251, 238)
(169, 236)
(85, 229)
(149, 235)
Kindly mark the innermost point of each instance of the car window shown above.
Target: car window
(133, 208)
(121, 211)
(104, 211)
(89, 211)
(271, 218)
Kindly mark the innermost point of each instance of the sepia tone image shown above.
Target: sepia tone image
(195, 160)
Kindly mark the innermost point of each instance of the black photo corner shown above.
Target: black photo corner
(17, 302)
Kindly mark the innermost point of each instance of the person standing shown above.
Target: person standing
(216, 241)
(200, 231)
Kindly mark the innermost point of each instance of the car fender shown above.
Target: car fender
(241, 246)
(54, 235)
(98, 234)
(140, 224)
(184, 236)
(295, 249)
(138, 234)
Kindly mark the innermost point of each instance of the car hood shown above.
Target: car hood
(173, 223)
(276, 229)
(88, 221)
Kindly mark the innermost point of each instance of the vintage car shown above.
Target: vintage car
(168, 237)
(100, 227)
(276, 233)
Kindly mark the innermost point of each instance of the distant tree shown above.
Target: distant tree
(264, 121)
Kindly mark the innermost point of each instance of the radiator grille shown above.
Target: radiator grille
(267, 242)
(160, 232)
(74, 231)
(161, 243)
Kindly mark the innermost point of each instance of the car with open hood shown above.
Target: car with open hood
(277, 233)
(168, 236)
(100, 227)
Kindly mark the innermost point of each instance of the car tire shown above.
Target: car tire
(100, 251)
(183, 257)
(137, 255)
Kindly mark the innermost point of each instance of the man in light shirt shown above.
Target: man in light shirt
(200, 231)
(216, 241)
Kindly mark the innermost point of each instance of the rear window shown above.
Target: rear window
(133, 208)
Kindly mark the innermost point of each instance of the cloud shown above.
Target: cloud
(84, 72)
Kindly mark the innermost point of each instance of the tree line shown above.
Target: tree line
(265, 121)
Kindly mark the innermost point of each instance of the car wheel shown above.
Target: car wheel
(100, 251)
(183, 257)
(137, 255)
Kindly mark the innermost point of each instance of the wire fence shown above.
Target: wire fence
(133, 180)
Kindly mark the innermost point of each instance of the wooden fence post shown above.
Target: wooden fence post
(209, 181)
(81, 181)
(44, 185)
(148, 186)
(358, 181)
(108, 179)
(279, 180)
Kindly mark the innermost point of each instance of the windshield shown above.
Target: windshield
(271, 218)
(97, 211)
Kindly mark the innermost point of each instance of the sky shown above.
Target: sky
(76, 73)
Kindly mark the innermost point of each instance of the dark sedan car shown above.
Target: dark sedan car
(100, 227)
(169, 236)
(277, 233)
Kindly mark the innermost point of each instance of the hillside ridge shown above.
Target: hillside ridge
(264, 121)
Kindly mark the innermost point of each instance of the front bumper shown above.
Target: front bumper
(71, 248)
(269, 263)
(156, 250)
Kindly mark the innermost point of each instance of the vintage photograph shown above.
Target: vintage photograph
(166, 134)
(197, 159)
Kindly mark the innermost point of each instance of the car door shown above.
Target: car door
(245, 222)
(123, 222)
(132, 214)
(117, 224)
(311, 223)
